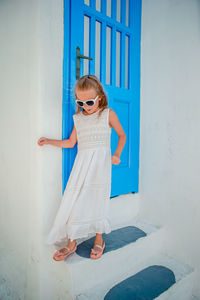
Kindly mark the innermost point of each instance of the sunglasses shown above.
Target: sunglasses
(89, 102)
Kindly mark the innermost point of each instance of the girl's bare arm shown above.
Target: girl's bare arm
(71, 142)
(67, 143)
(114, 122)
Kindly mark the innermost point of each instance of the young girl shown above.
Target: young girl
(84, 208)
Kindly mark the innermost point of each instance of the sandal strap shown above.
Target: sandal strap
(59, 253)
(98, 246)
(96, 251)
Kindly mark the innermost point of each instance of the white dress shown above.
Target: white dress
(85, 204)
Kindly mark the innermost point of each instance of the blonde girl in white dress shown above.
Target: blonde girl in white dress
(85, 204)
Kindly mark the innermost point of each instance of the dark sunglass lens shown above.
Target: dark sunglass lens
(90, 102)
(80, 103)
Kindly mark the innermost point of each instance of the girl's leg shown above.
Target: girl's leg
(96, 251)
(98, 239)
(71, 245)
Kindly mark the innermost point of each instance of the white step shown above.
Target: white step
(87, 273)
(194, 298)
(183, 287)
(181, 290)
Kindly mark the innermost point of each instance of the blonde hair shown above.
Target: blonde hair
(88, 82)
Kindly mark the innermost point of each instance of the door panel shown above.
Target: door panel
(109, 33)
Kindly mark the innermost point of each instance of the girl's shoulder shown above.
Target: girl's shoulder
(109, 109)
(76, 115)
(112, 115)
(111, 112)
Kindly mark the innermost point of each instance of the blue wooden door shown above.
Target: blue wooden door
(108, 31)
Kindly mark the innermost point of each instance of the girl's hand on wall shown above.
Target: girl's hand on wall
(115, 160)
(43, 141)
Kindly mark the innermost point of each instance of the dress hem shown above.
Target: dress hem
(62, 233)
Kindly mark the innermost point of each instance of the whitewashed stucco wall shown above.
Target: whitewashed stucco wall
(170, 125)
(18, 123)
(31, 106)
(31, 57)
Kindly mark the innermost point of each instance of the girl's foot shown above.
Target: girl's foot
(66, 251)
(97, 249)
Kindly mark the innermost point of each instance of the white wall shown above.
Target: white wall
(170, 145)
(18, 96)
(31, 54)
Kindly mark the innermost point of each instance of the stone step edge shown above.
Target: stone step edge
(158, 258)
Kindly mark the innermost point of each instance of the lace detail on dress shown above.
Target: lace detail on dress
(93, 131)
(78, 230)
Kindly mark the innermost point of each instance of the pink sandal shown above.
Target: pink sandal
(58, 255)
(96, 254)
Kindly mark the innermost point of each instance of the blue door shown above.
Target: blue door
(107, 33)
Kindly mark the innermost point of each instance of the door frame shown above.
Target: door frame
(66, 109)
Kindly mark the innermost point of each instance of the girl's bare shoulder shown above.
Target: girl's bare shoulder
(112, 114)
(113, 119)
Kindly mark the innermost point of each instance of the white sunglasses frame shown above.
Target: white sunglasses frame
(84, 102)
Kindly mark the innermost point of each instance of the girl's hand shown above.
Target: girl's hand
(43, 141)
(115, 159)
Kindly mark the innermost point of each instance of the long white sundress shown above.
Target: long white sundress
(85, 204)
